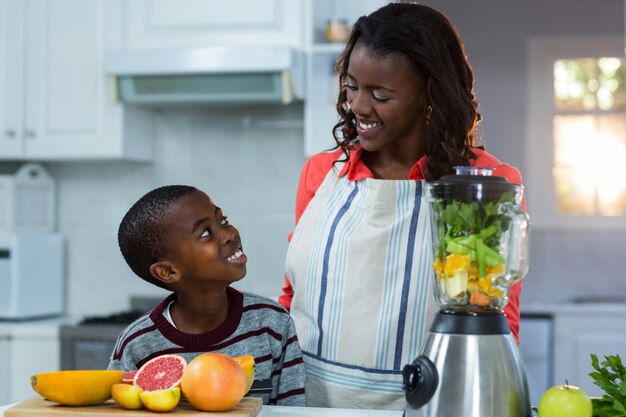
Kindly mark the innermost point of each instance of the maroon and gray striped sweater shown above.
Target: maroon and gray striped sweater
(255, 326)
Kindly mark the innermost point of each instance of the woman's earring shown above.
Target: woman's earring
(428, 111)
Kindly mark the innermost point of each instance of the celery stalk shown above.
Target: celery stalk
(480, 257)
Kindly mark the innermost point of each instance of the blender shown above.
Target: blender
(469, 364)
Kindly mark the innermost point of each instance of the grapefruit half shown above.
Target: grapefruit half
(162, 372)
(129, 377)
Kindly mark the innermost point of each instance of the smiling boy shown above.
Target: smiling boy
(175, 237)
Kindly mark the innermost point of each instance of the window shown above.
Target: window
(576, 153)
(589, 134)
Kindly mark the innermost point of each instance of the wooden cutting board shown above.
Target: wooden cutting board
(38, 407)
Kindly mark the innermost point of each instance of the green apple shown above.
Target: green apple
(565, 401)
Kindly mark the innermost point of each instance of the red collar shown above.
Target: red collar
(357, 170)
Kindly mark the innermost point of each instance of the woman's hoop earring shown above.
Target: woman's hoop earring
(428, 111)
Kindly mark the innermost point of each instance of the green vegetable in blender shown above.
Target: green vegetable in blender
(610, 375)
(472, 232)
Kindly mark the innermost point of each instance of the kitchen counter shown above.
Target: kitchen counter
(585, 307)
(34, 328)
(280, 411)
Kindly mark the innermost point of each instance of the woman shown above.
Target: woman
(359, 261)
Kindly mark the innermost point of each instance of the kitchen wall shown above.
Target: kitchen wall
(564, 265)
(248, 160)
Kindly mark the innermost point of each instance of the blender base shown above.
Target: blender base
(479, 369)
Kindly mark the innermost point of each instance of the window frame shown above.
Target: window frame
(539, 145)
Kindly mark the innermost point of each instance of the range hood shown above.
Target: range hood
(225, 74)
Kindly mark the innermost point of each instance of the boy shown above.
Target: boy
(175, 237)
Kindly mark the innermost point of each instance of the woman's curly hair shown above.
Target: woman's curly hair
(430, 42)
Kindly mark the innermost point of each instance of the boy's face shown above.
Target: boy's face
(202, 245)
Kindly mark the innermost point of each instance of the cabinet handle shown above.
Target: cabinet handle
(10, 133)
(30, 134)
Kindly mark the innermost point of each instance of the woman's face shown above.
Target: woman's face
(387, 98)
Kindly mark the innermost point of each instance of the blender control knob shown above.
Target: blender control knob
(420, 381)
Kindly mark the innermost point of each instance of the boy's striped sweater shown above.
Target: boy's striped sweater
(255, 326)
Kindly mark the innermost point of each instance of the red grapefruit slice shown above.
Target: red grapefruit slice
(129, 377)
(162, 372)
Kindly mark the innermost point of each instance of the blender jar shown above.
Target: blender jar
(480, 239)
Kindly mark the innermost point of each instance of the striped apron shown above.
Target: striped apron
(359, 262)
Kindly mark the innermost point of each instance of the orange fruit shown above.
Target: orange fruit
(213, 382)
(247, 364)
(479, 299)
(455, 262)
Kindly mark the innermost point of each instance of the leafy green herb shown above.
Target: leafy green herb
(473, 229)
(610, 376)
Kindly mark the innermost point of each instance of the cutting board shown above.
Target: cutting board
(38, 407)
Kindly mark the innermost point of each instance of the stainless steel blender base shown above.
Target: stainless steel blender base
(479, 375)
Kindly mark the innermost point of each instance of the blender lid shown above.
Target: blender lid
(471, 183)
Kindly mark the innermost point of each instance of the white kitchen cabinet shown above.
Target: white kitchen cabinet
(26, 348)
(31, 355)
(11, 72)
(56, 102)
(322, 85)
(5, 383)
(582, 330)
(300, 24)
(201, 23)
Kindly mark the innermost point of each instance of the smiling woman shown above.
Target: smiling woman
(361, 246)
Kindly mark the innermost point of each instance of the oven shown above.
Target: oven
(89, 344)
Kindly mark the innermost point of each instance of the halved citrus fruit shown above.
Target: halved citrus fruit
(161, 400)
(162, 372)
(127, 396)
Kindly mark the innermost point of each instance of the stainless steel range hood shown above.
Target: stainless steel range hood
(231, 74)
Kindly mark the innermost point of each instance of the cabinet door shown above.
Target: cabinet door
(31, 355)
(198, 23)
(5, 383)
(64, 97)
(576, 338)
(11, 70)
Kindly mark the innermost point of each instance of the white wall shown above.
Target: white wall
(252, 171)
(247, 159)
(564, 265)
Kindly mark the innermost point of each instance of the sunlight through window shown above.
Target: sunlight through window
(590, 136)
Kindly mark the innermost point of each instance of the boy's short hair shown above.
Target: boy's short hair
(141, 233)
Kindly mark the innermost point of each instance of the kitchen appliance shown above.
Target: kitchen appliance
(217, 74)
(31, 275)
(89, 343)
(27, 200)
(470, 365)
